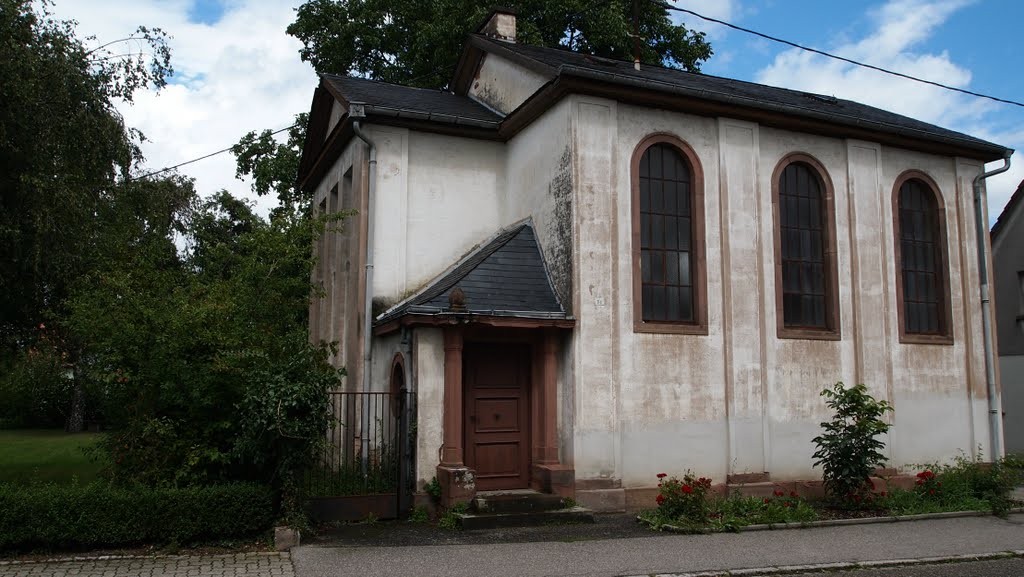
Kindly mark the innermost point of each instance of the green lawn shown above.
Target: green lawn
(43, 455)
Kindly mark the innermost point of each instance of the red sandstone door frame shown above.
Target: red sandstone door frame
(546, 473)
(497, 413)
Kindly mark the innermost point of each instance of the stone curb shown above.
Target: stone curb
(282, 554)
(858, 521)
(823, 567)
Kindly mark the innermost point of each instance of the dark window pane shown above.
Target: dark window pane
(920, 259)
(666, 235)
(686, 304)
(671, 232)
(657, 231)
(802, 247)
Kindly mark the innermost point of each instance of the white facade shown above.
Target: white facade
(737, 400)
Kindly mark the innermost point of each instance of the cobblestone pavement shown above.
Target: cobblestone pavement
(249, 564)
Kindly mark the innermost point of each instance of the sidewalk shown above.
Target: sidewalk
(670, 553)
(248, 564)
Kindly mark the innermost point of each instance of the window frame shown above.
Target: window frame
(833, 329)
(698, 326)
(945, 336)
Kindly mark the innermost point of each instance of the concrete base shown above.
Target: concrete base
(285, 538)
(554, 479)
(602, 500)
(458, 485)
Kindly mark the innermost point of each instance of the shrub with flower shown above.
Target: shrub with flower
(685, 498)
(927, 485)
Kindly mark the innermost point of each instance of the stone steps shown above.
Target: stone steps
(521, 508)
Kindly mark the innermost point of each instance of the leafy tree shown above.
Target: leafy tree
(848, 449)
(418, 42)
(202, 355)
(64, 151)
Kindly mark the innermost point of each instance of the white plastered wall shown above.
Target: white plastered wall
(502, 85)
(740, 399)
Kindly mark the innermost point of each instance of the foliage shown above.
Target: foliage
(685, 499)
(695, 511)
(203, 356)
(274, 166)
(418, 43)
(969, 484)
(450, 519)
(420, 514)
(64, 153)
(433, 488)
(848, 451)
(33, 455)
(101, 515)
(33, 387)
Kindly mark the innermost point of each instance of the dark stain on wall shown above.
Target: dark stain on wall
(559, 231)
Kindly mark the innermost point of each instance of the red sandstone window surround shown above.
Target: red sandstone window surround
(669, 277)
(922, 260)
(806, 278)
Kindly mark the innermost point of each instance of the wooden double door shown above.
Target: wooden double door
(496, 377)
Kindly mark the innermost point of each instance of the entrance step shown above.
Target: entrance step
(522, 508)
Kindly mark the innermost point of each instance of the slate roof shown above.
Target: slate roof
(737, 92)
(504, 277)
(412, 102)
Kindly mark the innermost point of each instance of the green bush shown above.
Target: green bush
(848, 450)
(101, 515)
(34, 391)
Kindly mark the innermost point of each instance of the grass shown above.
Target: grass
(28, 456)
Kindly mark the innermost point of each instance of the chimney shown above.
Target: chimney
(500, 25)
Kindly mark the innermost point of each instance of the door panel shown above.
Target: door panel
(497, 414)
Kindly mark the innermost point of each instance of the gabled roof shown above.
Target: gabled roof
(559, 65)
(504, 277)
(1008, 211)
(422, 103)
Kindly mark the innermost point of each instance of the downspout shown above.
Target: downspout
(981, 232)
(357, 112)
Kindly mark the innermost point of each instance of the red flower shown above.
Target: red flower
(660, 499)
(662, 475)
(767, 500)
(777, 493)
(931, 491)
(883, 494)
(686, 489)
(793, 494)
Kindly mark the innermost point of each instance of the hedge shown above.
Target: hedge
(100, 515)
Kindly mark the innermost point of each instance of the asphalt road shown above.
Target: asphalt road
(998, 568)
(672, 554)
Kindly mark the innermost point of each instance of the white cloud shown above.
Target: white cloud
(724, 10)
(239, 74)
(900, 26)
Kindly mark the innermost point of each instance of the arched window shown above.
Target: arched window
(668, 238)
(805, 273)
(922, 281)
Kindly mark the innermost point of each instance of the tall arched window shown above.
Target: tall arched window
(668, 238)
(805, 274)
(922, 281)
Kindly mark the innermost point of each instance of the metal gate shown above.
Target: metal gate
(366, 468)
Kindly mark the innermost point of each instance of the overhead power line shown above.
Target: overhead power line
(833, 56)
(204, 157)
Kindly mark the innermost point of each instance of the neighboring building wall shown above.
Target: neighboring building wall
(1008, 277)
(740, 399)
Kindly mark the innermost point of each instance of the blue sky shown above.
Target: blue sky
(238, 71)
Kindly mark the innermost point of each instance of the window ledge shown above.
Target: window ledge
(809, 334)
(670, 328)
(914, 339)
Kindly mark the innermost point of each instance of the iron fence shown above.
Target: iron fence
(367, 448)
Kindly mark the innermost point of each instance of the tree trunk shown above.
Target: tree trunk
(76, 420)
